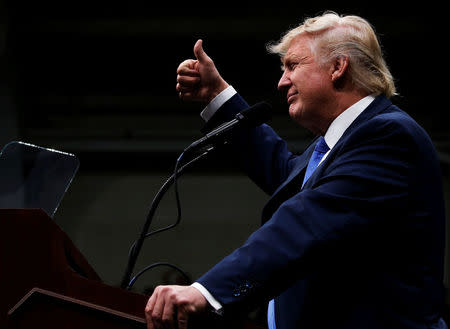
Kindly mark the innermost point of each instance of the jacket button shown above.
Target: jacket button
(246, 287)
(243, 289)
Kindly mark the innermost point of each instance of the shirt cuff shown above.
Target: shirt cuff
(217, 102)
(211, 300)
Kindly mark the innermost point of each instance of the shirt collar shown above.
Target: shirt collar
(345, 119)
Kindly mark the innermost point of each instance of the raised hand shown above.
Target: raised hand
(199, 80)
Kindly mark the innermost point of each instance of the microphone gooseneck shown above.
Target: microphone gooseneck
(250, 117)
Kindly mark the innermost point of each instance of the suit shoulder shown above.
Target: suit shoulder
(393, 121)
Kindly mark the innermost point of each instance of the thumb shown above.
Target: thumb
(199, 52)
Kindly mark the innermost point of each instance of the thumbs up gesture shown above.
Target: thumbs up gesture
(199, 80)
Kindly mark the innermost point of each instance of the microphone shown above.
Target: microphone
(250, 117)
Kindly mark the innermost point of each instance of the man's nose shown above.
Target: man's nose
(284, 82)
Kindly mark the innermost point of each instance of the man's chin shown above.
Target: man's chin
(294, 112)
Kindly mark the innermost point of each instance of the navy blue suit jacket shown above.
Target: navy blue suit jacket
(361, 245)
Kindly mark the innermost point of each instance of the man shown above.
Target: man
(353, 235)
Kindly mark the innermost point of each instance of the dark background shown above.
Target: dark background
(97, 79)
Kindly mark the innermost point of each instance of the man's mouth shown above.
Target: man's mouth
(291, 96)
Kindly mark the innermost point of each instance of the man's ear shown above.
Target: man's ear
(339, 68)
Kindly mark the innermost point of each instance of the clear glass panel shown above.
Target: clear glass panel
(34, 177)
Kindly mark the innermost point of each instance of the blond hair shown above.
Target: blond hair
(350, 36)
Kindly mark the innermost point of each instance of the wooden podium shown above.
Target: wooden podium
(47, 283)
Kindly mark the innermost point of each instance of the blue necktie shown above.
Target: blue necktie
(319, 151)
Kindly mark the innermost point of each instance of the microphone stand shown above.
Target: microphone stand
(252, 116)
(137, 245)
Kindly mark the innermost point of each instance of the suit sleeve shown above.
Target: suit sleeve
(261, 154)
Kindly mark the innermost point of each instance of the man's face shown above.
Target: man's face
(308, 85)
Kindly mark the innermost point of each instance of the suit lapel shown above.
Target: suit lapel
(379, 104)
(292, 185)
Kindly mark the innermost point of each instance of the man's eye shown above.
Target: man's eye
(292, 66)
